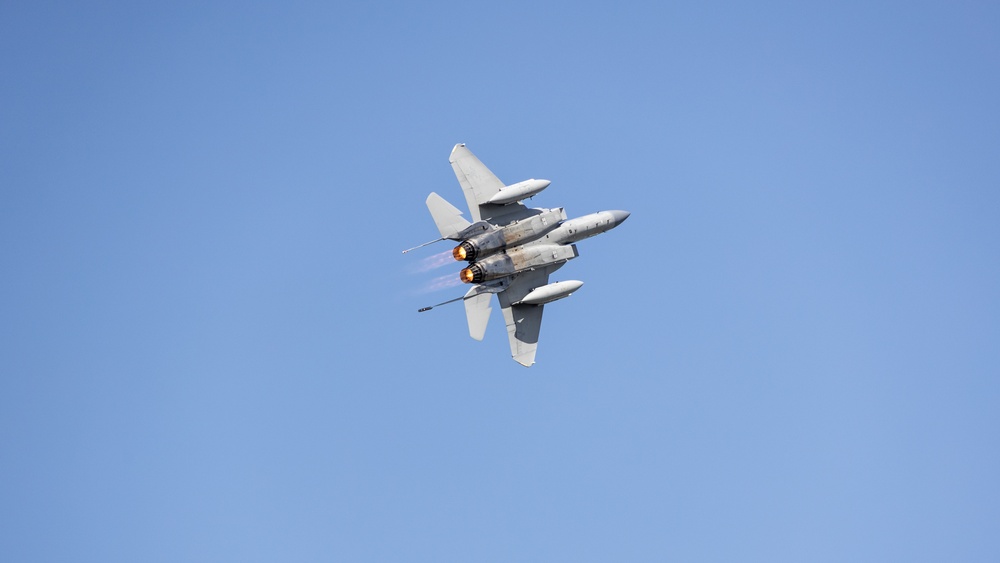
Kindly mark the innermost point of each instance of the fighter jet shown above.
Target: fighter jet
(511, 249)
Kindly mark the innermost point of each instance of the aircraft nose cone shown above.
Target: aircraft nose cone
(620, 216)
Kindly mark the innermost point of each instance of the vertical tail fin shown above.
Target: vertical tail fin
(446, 216)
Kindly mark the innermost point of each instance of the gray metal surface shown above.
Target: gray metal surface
(511, 249)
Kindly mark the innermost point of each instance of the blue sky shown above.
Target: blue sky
(210, 348)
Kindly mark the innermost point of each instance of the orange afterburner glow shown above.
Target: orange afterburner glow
(466, 275)
(459, 253)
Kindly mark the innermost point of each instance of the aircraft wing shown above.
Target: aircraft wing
(479, 185)
(524, 321)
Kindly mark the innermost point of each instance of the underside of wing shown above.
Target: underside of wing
(479, 185)
(524, 321)
(523, 325)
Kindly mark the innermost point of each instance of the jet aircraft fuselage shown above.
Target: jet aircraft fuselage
(511, 249)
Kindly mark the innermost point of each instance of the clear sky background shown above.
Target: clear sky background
(209, 344)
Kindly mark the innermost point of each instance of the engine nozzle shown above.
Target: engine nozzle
(489, 268)
(465, 251)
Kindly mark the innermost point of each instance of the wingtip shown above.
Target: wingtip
(457, 148)
(525, 360)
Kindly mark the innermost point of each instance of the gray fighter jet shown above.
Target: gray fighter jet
(511, 249)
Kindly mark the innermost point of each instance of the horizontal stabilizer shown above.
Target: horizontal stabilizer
(477, 310)
(446, 216)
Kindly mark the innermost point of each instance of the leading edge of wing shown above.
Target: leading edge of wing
(479, 184)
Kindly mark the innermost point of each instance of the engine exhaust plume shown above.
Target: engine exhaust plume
(432, 262)
(442, 282)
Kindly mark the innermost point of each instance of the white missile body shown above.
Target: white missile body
(551, 292)
(516, 192)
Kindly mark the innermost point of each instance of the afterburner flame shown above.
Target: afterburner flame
(459, 253)
(466, 275)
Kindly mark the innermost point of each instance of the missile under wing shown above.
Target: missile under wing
(480, 186)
